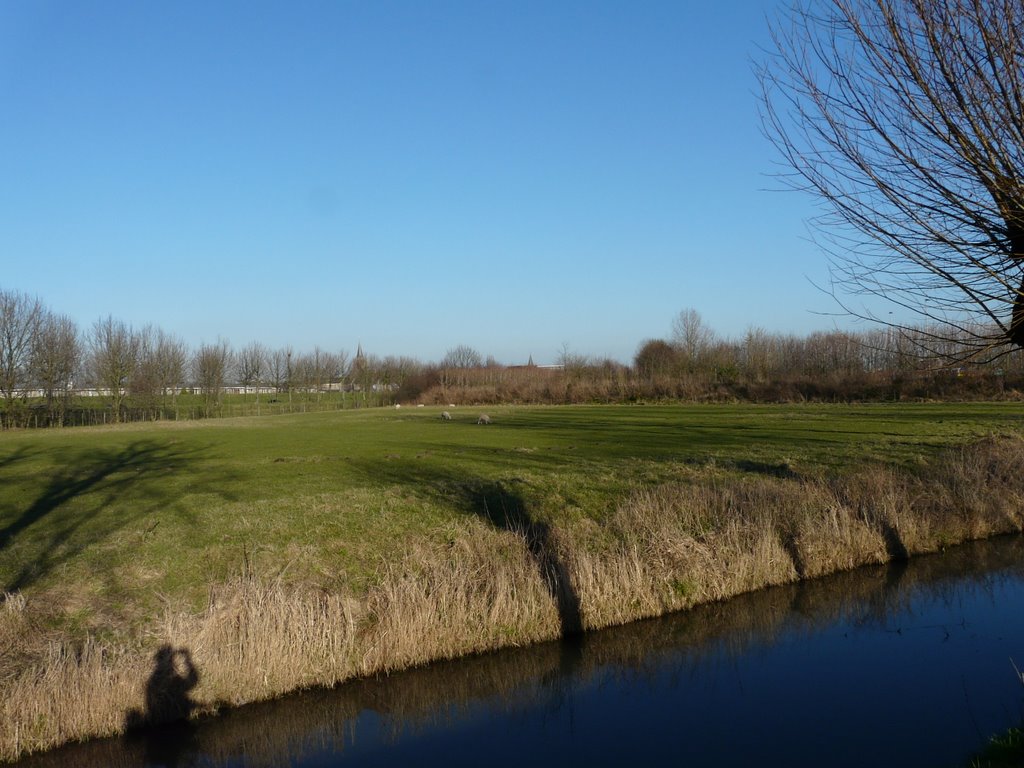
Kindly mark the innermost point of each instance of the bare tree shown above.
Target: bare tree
(365, 374)
(691, 336)
(279, 368)
(905, 118)
(144, 385)
(113, 357)
(455, 364)
(210, 367)
(462, 356)
(758, 358)
(252, 368)
(373, 377)
(20, 316)
(171, 358)
(395, 370)
(161, 369)
(569, 359)
(55, 361)
(320, 365)
(304, 372)
(291, 373)
(329, 367)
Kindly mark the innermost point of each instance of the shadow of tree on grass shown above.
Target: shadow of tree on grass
(781, 470)
(83, 502)
(506, 509)
(500, 505)
(16, 457)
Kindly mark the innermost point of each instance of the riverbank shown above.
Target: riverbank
(505, 575)
(690, 677)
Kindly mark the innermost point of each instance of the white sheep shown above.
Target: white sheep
(445, 416)
(484, 419)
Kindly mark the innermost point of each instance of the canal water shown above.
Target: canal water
(906, 665)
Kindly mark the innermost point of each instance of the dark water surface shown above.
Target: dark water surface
(906, 665)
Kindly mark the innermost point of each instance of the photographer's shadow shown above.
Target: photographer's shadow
(164, 724)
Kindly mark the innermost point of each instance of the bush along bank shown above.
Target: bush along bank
(498, 580)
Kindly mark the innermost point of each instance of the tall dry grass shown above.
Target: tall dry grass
(483, 587)
(678, 545)
(283, 732)
(478, 590)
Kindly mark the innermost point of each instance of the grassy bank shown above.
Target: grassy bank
(275, 732)
(302, 550)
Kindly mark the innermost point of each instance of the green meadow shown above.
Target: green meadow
(113, 525)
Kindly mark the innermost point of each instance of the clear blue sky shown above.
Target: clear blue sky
(408, 175)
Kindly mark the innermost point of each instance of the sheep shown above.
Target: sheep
(445, 416)
(484, 419)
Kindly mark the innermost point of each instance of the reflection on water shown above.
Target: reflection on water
(902, 665)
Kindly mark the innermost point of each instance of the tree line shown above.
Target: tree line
(694, 363)
(49, 366)
(50, 369)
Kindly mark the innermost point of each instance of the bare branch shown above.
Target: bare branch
(904, 118)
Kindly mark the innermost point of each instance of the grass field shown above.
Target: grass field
(118, 521)
(105, 533)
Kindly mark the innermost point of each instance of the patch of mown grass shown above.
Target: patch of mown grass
(120, 521)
